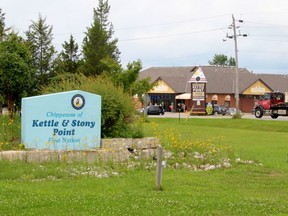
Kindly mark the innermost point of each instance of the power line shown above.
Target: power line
(170, 35)
(170, 23)
(267, 24)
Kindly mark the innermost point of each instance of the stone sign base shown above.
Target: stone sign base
(111, 150)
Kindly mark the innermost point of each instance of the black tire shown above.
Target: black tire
(258, 113)
(274, 116)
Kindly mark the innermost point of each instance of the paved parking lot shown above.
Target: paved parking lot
(186, 115)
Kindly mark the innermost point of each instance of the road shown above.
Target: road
(186, 115)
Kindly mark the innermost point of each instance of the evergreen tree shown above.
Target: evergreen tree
(69, 59)
(40, 39)
(3, 30)
(2, 24)
(16, 70)
(100, 52)
(2, 27)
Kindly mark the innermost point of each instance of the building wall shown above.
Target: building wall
(246, 103)
(222, 99)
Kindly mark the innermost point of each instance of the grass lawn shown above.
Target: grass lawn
(51, 189)
(260, 140)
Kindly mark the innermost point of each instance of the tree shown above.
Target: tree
(100, 52)
(2, 24)
(3, 30)
(220, 59)
(232, 61)
(129, 79)
(16, 70)
(129, 76)
(40, 39)
(69, 59)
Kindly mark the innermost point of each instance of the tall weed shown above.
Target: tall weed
(193, 151)
(10, 133)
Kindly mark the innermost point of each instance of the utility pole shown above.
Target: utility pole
(234, 36)
(236, 68)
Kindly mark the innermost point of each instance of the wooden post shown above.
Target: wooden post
(189, 113)
(159, 168)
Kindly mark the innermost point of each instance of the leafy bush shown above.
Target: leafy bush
(238, 115)
(118, 119)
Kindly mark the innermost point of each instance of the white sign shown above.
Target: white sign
(198, 76)
(258, 89)
(161, 88)
(198, 91)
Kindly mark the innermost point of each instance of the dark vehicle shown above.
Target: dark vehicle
(219, 109)
(155, 110)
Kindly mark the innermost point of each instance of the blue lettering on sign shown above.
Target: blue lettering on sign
(78, 123)
(60, 115)
(70, 140)
(63, 132)
(49, 123)
(65, 123)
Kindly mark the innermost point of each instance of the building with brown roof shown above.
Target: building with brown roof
(173, 86)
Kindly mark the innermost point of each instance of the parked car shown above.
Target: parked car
(219, 109)
(155, 110)
(231, 111)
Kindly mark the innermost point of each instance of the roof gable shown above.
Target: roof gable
(257, 88)
(162, 87)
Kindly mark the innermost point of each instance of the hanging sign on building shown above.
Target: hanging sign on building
(62, 121)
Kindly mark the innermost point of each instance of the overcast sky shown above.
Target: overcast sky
(171, 32)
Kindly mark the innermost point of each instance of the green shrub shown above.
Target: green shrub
(117, 107)
(237, 115)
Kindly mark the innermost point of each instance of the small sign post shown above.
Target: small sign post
(159, 168)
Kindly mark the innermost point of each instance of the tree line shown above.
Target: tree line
(27, 64)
